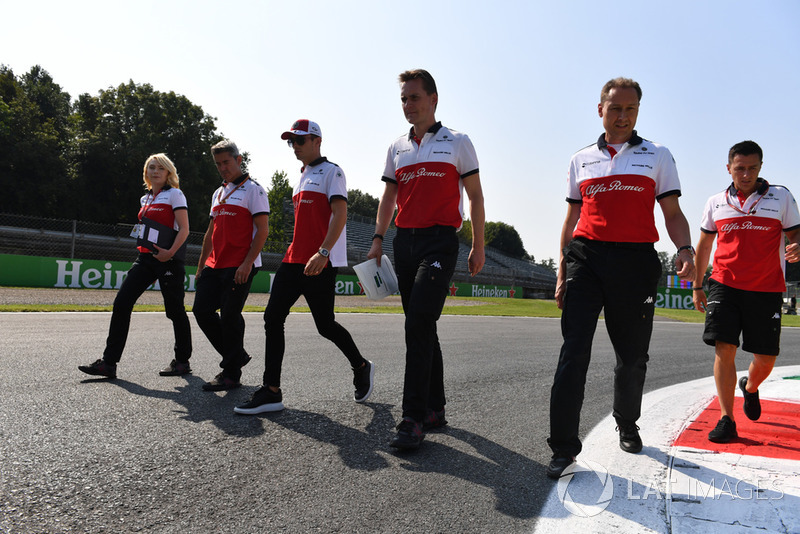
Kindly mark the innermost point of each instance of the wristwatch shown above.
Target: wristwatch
(324, 252)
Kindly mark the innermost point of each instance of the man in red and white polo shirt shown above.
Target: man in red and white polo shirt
(427, 171)
(318, 249)
(230, 258)
(608, 263)
(748, 219)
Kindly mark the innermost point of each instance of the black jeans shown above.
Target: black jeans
(142, 274)
(425, 259)
(621, 280)
(216, 290)
(319, 292)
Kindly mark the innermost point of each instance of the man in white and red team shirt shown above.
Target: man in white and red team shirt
(230, 258)
(748, 219)
(318, 249)
(608, 263)
(427, 170)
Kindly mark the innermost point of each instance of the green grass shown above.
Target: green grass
(495, 307)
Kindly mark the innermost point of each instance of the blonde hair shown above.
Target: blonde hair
(162, 159)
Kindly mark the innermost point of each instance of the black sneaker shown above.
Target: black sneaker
(752, 404)
(433, 419)
(363, 380)
(220, 383)
(100, 368)
(263, 400)
(409, 435)
(724, 431)
(176, 368)
(558, 464)
(629, 439)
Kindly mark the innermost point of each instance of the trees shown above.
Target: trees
(363, 204)
(281, 217)
(34, 135)
(115, 132)
(84, 160)
(504, 238)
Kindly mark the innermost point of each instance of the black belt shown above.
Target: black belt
(431, 230)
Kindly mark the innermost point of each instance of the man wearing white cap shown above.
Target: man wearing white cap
(427, 171)
(309, 268)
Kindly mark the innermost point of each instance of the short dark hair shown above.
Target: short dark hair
(428, 83)
(745, 148)
(226, 145)
(619, 83)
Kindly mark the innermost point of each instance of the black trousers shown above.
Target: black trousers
(216, 290)
(621, 280)
(143, 273)
(425, 259)
(319, 292)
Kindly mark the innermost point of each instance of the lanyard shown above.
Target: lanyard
(152, 198)
(733, 203)
(221, 199)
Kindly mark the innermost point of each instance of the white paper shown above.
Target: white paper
(152, 235)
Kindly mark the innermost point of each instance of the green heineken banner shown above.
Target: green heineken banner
(463, 289)
(673, 297)
(39, 271)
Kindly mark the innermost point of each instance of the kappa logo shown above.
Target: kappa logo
(648, 300)
(436, 264)
(168, 273)
(776, 316)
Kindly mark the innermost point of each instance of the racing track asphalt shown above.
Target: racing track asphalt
(149, 453)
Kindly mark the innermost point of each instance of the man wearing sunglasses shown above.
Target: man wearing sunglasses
(318, 249)
(745, 291)
(608, 263)
(427, 170)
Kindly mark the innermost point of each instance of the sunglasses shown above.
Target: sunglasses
(300, 140)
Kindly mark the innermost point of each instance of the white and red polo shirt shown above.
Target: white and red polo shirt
(320, 182)
(161, 208)
(428, 177)
(617, 190)
(750, 251)
(233, 206)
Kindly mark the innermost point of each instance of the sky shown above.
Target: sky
(521, 78)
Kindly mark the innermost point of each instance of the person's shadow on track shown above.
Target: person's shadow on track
(198, 405)
(358, 449)
(515, 479)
